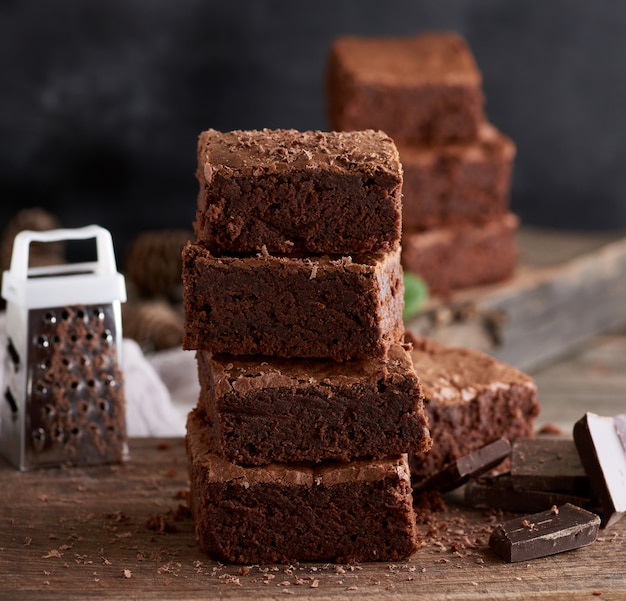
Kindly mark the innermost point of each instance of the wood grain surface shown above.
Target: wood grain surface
(568, 288)
(123, 532)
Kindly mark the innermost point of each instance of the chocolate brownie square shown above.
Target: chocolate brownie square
(453, 257)
(470, 399)
(457, 183)
(266, 410)
(424, 89)
(340, 307)
(289, 191)
(333, 512)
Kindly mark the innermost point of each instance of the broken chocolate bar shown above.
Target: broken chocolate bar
(600, 444)
(500, 492)
(462, 469)
(548, 464)
(546, 533)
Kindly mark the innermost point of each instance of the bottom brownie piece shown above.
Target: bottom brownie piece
(266, 410)
(449, 258)
(335, 512)
(470, 399)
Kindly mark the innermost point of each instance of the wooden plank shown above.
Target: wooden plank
(71, 534)
(593, 379)
(568, 288)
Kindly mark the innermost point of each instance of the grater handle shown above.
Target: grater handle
(105, 264)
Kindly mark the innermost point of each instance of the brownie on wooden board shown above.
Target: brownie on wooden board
(340, 308)
(266, 410)
(453, 257)
(336, 512)
(425, 89)
(457, 183)
(290, 191)
(470, 399)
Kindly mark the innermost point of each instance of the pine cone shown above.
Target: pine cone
(154, 263)
(155, 325)
(40, 253)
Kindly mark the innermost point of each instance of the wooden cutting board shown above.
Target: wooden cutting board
(123, 532)
(568, 288)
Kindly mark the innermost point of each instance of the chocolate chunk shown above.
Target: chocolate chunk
(462, 469)
(548, 464)
(499, 492)
(546, 533)
(599, 441)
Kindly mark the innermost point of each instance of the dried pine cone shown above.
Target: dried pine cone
(154, 263)
(40, 253)
(155, 325)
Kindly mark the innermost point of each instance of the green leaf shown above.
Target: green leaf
(415, 295)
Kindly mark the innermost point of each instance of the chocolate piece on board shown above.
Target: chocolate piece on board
(599, 441)
(462, 469)
(548, 464)
(498, 492)
(546, 533)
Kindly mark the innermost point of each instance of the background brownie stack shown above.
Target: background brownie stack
(293, 300)
(426, 93)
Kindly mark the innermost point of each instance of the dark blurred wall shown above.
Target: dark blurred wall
(101, 101)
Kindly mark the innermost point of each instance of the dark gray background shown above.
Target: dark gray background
(101, 101)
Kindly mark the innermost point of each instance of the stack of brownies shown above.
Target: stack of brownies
(426, 93)
(293, 299)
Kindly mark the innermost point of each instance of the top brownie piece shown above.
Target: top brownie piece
(289, 191)
(425, 89)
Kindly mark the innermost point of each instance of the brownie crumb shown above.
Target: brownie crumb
(550, 429)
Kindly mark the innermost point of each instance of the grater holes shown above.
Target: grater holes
(107, 336)
(88, 335)
(50, 318)
(8, 395)
(41, 389)
(83, 407)
(15, 356)
(80, 314)
(98, 313)
(43, 342)
(74, 385)
(58, 435)
(91, 383)
(39, 439)
(103, 406)
(73, 338)
(65, 314)
(75, 432)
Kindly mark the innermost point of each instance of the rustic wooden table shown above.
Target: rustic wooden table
(123, 532)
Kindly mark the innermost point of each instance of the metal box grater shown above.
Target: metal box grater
(63, 402)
